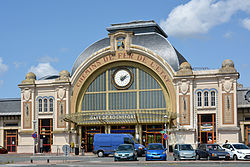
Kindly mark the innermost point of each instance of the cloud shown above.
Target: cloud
(64, 50)
(48, 59)
(199, 16)
(43, 69)
(246, 23)
(228, 35)
(3, 67)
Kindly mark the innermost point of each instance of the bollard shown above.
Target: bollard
(47, 160)
(31, 161)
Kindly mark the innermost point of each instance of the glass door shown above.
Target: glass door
(11, 140)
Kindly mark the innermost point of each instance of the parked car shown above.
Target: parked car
(156, 151)
(3, 150)
(105, 144)
(184, 151)
(125, 152)
(237, 151)
(211, 151)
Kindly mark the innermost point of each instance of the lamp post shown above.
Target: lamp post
(165, 126)
(34, 125)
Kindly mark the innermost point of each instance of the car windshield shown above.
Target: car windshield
(186, 147)
(125, 148)
(155, 147)
(135, 141)
(240, 146)
(214, 147)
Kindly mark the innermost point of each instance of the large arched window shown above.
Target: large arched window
(51, 105)
(199, 99)
(40, 105)
(143, 92)
(213, 98)
(205, 98)
(45, 105)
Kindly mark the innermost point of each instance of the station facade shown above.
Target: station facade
(133, 81)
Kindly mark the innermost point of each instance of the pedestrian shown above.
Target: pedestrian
(82, 147)
(226, 141)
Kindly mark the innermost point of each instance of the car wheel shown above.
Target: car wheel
(135, 159)
(198, 157)
(174, 159)
(115, 159)
(100, 154)
(235, 157)
(178, 158)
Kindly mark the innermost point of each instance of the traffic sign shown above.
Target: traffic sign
(165, 136)
(34, 135)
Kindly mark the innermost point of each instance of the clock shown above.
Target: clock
(122, 78)
(247, 96)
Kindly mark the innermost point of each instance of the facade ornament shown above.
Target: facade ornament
(120, 41)
(228, 84)
(185, 69)
(227, 67)
(184, 86)
(61, 93)
(30, 78)
(63, 76)
(26, 94)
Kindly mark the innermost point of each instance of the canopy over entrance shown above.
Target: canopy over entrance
(120, 117)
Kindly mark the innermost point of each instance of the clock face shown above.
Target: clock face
(122, 78)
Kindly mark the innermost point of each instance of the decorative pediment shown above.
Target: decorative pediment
(120, 41)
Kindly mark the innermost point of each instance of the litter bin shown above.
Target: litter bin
(76, 150)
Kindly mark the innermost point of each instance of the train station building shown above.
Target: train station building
(132, 81)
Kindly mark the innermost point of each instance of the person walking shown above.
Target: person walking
(82, 147)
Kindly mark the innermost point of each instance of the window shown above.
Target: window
(212, 98)
(199, 99)
(45, 105)
(127, 141)
(40, 105)
(206, 99)
(50, 105)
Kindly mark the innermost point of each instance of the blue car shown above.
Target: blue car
(156, 151)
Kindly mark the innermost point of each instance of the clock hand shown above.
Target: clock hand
(123, 77)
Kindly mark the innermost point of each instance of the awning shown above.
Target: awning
(120, 117)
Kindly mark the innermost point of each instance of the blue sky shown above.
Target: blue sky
(47, 36)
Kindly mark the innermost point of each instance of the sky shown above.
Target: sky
(46, 37)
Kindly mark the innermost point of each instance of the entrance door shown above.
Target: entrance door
(45, 135)
(152, 134)
(11, 140)
(206, 128)
(88, 133)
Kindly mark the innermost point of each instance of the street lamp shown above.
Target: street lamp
(165, 125)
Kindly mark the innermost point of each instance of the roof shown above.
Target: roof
(146, 34)
(10, 106)
(241, 98)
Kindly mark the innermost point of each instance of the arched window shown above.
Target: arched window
(40, 105)
(45, 105)
(50, 105)
(199, 99)
(206, 99)
(213, 98)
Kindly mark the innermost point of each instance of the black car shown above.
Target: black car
(211, 151)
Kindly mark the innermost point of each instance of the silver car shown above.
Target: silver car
(184, 151)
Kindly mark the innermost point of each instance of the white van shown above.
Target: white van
(237, 151)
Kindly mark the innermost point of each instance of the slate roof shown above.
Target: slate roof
(10, 106)
(146, 34)
(241, 98)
